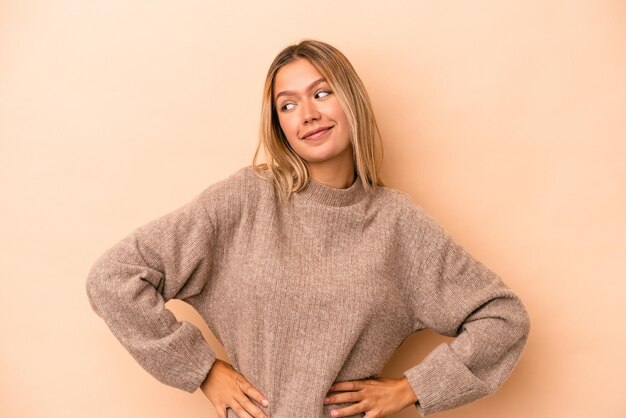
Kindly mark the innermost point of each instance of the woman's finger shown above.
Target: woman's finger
(344, 397)
(348, 410)
(249, 406)
(239, 410)
(347, 385)
(254, 393)
(222, 412)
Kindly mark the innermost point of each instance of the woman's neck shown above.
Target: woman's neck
(338, 173)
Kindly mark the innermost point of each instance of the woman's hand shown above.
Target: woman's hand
(226, 388)
(376, 397)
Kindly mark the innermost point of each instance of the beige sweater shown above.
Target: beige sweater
(321, 290)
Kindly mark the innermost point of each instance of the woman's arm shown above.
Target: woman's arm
(456, 295)
(129, 284)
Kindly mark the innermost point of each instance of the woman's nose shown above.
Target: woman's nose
(310, 112)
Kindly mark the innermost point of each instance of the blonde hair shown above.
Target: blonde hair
(284, 167)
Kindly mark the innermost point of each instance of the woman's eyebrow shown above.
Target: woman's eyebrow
(291, 92)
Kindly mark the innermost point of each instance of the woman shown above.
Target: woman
(310, 272)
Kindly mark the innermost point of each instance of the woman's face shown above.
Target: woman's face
(310, 114)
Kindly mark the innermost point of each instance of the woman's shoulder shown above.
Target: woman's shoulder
(396, 199)
(242, 180)
(409, 212)
(235, 190)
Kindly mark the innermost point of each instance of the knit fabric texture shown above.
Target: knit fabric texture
(319, 290)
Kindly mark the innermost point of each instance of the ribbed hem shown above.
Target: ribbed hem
(320, 193)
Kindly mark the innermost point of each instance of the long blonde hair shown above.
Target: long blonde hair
(284, 167)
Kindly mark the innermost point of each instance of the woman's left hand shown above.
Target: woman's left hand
(377, 397)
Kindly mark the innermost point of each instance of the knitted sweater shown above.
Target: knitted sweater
(320, 290)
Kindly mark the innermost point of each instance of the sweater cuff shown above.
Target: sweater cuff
(441, 381)
(200, 357)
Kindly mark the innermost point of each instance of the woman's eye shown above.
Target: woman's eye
(323, 93)
(286, 106)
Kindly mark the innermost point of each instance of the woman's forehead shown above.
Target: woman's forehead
(296, 77)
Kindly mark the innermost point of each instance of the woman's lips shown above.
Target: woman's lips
(317, 135)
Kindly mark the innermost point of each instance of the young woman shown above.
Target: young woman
(310, 271)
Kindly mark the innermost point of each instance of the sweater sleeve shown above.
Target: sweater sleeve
(456, 295)
(169, 257)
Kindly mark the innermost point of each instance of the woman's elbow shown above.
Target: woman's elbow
(92, 287)
(520, 320)
(96, 284)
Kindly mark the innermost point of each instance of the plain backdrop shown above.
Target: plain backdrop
(506, 121)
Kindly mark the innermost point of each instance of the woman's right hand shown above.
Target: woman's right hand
(226, 388)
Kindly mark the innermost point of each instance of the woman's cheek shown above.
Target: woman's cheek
(291, 129)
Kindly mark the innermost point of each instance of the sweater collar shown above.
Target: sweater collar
(326, 195)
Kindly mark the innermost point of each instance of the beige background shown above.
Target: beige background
(505, 120)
